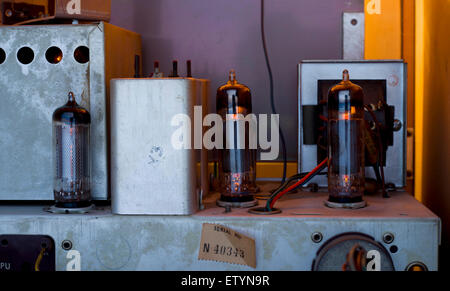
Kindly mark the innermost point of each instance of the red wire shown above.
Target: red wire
(298, 183)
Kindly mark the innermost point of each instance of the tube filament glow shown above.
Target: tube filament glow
(237, 165)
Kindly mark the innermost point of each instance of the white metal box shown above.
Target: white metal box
(148, 175)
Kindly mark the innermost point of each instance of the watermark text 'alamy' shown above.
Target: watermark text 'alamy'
(235, 126)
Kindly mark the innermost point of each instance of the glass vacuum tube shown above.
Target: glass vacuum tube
(237, 164)
(346, 167)
(71, 150)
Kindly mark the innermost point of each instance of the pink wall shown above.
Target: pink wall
(218, 35)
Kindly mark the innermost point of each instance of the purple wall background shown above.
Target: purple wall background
(219, 35)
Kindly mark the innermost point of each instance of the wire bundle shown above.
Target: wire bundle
(304, 178)
(380, 151)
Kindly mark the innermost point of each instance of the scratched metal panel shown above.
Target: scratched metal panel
(148, 175)
(283, 242)
(30, 93)
(353, 36)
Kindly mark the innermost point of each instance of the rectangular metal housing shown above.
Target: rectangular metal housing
(29, 94)
(148, 175)
(392, 71)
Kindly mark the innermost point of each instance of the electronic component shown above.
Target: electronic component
(72, 161)
(149, 174)
(189, 69)
(384, 88)
(331, 255)
(43, 63)
(27, 253)
(237, 161)
(156, 73)
(174, 73)
(346, 168)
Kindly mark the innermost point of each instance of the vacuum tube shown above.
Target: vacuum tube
(346, 167)
(71, 150)
(237, 164)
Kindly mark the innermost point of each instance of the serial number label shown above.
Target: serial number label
(224, 250)
(222, 244)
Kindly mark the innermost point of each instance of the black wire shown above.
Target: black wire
(272, 101)
(279, 190)
(293, 178)
(285, 184)
(288, 182)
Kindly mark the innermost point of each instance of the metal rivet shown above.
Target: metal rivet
(388, 238)
(397, 125)
(316, 237)
(66, 245)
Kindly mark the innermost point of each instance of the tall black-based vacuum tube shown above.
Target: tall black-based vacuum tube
(237, 164)
(346, 167)
(71, 149)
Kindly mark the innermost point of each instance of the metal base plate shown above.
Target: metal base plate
(357, 205)
(57, 210)
(284, 241)
(246, 204)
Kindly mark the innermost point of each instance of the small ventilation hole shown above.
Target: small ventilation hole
(2, 56)
(54, 55)
(81, 54)
(25, 55)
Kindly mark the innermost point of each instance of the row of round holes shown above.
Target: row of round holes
(53, 55)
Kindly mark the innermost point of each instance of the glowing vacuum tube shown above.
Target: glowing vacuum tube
(237, 163)
(71, 149)
(346, 167)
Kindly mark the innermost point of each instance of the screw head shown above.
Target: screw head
(397, 125)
